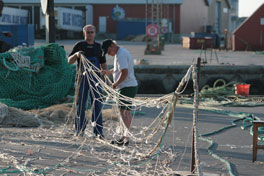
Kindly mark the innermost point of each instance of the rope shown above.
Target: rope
(14, 68)
(247, 118)
(211, 142)
(240, 116)
(20, 60)
(210, 151)
(195, 116)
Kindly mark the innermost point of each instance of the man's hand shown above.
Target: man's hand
(115, 85)
(74, 57)
(122, 77)
(106, 72)
(78, 54)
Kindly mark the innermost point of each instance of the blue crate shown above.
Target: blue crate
(23, 33)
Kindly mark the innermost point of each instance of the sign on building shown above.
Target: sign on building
(152, 30)
(14, 16)
(118, 13)
(66, 19)
(69, 19)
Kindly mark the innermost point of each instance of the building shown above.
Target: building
(133, 14)
(194, 16)
(234, 15)
(209, 18)
(250, 34)
(121, 18)
(104, 14)
(219, 14)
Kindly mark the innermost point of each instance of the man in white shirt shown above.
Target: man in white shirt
(124, 80)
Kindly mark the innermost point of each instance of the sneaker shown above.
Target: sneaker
(76, 134)
(120, 142)
(80, 134)
(99, 136)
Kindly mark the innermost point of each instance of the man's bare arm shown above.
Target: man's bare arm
(103, 66)
(123, 76)
(74, 57)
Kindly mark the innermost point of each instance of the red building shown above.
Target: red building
(133, 11)
(250, 34)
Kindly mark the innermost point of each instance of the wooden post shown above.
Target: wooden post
(198, 73)
(256, 125)
(50, 22)
(1, 7)
(193, 151)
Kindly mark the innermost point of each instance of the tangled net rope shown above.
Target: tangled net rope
(112, 97)
(146, 155)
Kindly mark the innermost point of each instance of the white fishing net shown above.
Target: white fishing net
(56, 151)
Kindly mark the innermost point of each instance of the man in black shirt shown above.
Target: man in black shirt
(87, 82)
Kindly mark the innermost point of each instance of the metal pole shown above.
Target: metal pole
(158, 13)
(168, 10)
(146, 22)
(158, 22)
(161, 11)
(146, 13)
(33, 16)
(1, 7)
(152, 8)
(50, 23)
(152, 21)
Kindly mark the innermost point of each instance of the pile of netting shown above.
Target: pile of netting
(217, 91)
(225, 94)
(33, 78)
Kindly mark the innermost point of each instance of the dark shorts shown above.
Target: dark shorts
(128, 92)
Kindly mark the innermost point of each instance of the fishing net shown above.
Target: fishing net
(33, 78)
(54, 150)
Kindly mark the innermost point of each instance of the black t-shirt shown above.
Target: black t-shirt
(89, 50)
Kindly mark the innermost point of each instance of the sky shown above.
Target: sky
(248, 7)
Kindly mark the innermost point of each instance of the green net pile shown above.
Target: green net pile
(44, 81)
(217, 91)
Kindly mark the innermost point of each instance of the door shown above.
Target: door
(102, 24)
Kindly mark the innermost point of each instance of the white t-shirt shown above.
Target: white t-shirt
(122, 61)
